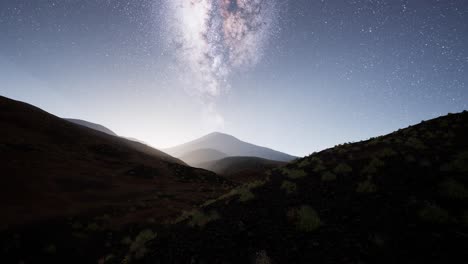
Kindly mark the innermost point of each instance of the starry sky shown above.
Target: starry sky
(297, 76)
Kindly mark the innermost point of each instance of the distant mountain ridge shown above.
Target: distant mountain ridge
(229, 145)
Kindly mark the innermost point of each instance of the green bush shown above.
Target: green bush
(245, 194)
(289, 187)
(434, 214)
(305, 218)
(415, 143)
(386, 152)
(138, 246)
(453, 189)
(50, 249)
(366, 187)
(303, 163)
(319, 167)
(372, 167)
(459, 164)
(92, 227)
(200, 219)
(294, 173)
(328, 176)
(342, 168)
(464, 219)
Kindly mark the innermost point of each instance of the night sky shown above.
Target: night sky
(298, 76)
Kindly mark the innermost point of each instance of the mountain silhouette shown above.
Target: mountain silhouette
(94, 126)
(228, 145)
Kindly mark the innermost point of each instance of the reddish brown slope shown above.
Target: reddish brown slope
(51, 167)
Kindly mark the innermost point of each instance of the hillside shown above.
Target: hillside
(399, 198)
(241, 169)
(52, 169)
(194, 158)
(229, 145)
(94, 126)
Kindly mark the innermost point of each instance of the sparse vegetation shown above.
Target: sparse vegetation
(366, 187)
(459, 164)
(289, 187)
(434, 214)
(328, 176)
(137, 247)
(245, 194)
(342, 168)
(415, 143)
(303, 163)
(294, 173)
(319, 167)
(372, 167)
(200, 219)
(387, 152)
(305, 218)
(453, 189)
(50, 249)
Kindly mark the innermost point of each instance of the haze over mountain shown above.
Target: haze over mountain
(241, 169)
(195, 157)
(228, 145)
(91, 125)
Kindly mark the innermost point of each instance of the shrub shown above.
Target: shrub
(303, 163)
(319, 167)
(328, 176)
(434, 214)
(138, 246)
(366, 187)
(200, 219)
(386, 152)
(262, 258)
(453, 189)
(289, 187)
(305, 218)
(294, 174)
(459, 164)
(415, 143)
(92, 227)
(50, 249)
(373, 166)
(464, 218)
(343, 168)
(245, 195)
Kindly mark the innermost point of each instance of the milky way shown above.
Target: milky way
(214, 38)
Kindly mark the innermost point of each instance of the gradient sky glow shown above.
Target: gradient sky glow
(297, 76)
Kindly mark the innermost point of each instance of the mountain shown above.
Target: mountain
(399, 198)
(229, 145)
(92, 126)
(241, 169)
(52, 169)
(193, 158)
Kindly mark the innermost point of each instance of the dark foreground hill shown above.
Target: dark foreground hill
(241, 169)
(399, 198)
(228, 145)
(52, 169)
